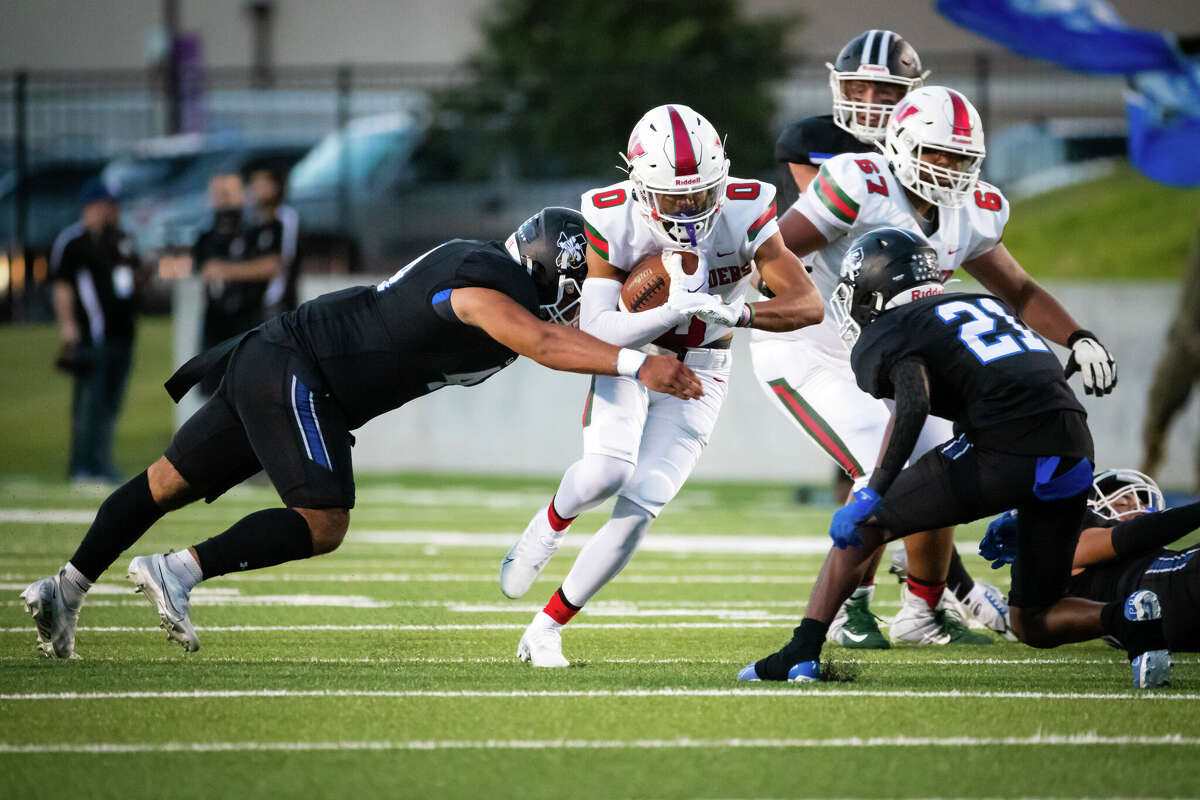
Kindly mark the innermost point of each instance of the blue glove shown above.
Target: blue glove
(843, 528)
(999, 544)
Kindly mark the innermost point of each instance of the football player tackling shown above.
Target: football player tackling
(641, 445)
(1023, 443)
(293, 389)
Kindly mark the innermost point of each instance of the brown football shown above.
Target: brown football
(647, 285)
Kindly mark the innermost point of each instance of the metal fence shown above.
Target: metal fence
(94, 115)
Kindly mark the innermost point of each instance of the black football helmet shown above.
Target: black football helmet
(880, 56)
(884, 268)
(552, 247)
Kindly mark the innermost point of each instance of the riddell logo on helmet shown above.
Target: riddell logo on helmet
(928, 291)
(687, 181)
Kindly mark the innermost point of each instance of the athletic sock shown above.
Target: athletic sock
(806, 643)
(1136, 636)
(185, 567)
(121, 520)
(931, 593)
(557, 523)
(958, 580)
(263, 539)
(74, 585)
(560, 609)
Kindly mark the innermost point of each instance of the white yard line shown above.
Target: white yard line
(460, 577)
(449, 627)
(1038, 740)
(787, 691)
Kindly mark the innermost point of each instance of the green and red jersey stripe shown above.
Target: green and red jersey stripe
(759, 223)
(816, 427)
(840, 204)
(587, 405)
(598, 242)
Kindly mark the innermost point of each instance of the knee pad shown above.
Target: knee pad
(590, 481)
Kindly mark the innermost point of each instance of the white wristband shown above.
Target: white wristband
(629, 362)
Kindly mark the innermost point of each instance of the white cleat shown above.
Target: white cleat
(526, 559)
(916, 623)
(154, 579)
(541, 645)
(987, 604)
(55, 621)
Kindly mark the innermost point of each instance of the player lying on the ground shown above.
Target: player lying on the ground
(295, 387)
(1023, 443)
(639, 444)
(1122, 548)
(926, 182)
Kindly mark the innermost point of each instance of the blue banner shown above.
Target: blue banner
(1164, 126)
(1084, 35)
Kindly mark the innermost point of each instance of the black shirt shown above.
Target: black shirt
(276, 236)
(812, 142)
(102, 269)
(379, 347)
(996, 379)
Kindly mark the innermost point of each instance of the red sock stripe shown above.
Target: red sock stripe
(559, 609)
(931, 593)
(557, 522)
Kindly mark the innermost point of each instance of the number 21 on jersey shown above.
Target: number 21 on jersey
(978, 322)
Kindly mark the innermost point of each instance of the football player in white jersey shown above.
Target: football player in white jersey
(640, 445)
(927, 181)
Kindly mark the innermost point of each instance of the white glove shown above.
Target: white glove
(1092, 359)
(731, 315)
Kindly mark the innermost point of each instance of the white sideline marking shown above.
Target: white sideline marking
(48, 516)
(449, 627)
(433, 577)
(204, 694)
(1039, 740)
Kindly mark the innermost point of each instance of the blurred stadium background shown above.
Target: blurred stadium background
(411, 122)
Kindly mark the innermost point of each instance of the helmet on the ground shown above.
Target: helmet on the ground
(932, 119)
(678, 167)
(883, 269)
(551, 247)
(881, 57)
(1121, 493)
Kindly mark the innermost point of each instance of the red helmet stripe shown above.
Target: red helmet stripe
(685, 157)
(962, 120)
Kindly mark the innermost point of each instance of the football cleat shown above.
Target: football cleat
(986, 603)
(918, 624)
(154, 579)
(1152, 668)
(541, 645)
(526, 559)
(854, 626)
(55, 620)
(899, 565)
(804, 672)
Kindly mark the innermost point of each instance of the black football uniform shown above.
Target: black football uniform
(294, 388)
(277, 236)
(1173, 575)
(812, 142)
(1021, 435)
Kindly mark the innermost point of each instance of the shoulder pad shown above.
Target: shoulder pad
(605, 212)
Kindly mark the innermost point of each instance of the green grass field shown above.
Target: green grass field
(388, 669)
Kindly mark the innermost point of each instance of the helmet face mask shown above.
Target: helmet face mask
(886, 62)
(883, 269)
(677, 165)
(1119, 494)
(931, 125)
(552, 248)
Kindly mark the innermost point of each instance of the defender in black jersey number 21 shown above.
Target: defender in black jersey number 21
(292, 389)
(1023, 443)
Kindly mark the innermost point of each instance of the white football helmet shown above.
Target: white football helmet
(934, 118)
(677, 164)
(1122, 493)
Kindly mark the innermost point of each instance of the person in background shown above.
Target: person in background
(1177, 372)
(271, 235)
(96, 276)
